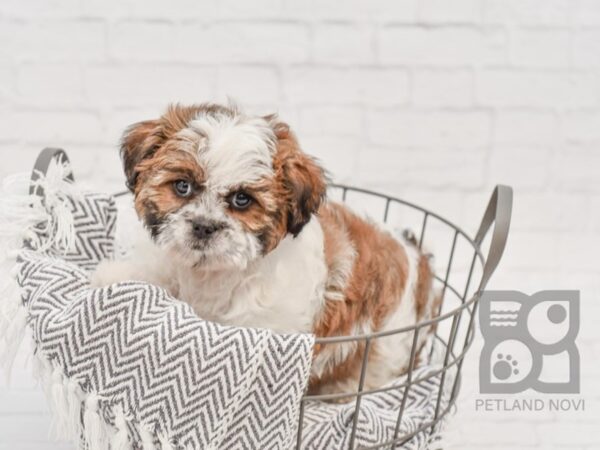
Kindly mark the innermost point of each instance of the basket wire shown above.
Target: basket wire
(467, 301)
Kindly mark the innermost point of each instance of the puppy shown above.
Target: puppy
(240, 229)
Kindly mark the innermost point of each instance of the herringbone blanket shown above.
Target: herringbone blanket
(171, 375)
(128, 366)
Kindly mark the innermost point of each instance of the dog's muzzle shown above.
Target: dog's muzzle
(203, 229)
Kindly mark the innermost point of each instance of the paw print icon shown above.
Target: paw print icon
(505, 367)
(529, 342)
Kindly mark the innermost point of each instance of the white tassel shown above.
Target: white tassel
(45, 378)
(74, 408)
(29, 343)
(25, 217)
(57, 190)
(13, 338)
(43, 373)
(19, 212)
(36, 368)
(13, 254)
(165, 442)
(14, 271)
(10, 302)
(92, 424)
(120, 440)
(147, 438)
(60, 404)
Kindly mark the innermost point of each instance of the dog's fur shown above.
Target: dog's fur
(291, 261)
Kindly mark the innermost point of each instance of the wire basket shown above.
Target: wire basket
(465, 272)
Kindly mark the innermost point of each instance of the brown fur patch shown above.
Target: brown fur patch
(155, 197)
(375, 287)
(263, 213)
(290, 197)
(155, 157)
(423, 289)
(142, 140)
(299, 178)
(426, 307)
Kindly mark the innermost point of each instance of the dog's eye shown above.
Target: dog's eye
(182, 188)
(240, 200)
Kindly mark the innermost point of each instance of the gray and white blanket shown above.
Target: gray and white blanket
(129, 366)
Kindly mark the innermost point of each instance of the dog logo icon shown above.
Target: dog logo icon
(529, 342)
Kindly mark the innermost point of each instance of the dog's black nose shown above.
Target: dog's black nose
(203, 228)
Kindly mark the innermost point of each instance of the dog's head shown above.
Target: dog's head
(218, 187)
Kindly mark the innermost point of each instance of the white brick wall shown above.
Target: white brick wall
(435, 100)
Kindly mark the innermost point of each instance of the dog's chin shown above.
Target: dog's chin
(217, 262)
(210, 256)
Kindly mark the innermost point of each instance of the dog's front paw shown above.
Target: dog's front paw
(107, 272)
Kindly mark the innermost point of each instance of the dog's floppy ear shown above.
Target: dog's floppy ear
(303, 180)
(140, 141)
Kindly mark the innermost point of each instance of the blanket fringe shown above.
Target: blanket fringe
(93, 429)
(79, 414)
(64, 398)
(120, 440)
(43, 224)
(14, 333)
(60, 403)
(165, 442)
(147, 437)
(74, 401)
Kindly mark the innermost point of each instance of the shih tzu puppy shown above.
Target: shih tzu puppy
(241, 230)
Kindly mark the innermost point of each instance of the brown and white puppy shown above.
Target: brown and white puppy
(241, 230)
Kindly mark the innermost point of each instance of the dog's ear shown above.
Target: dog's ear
(304, 181)
(140, 141)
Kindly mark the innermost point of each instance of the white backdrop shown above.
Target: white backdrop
(436, 101)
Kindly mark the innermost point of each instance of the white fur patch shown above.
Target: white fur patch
(341, 269)
(282, 291)
(393, 352)
(235, 150)
(232, 248)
